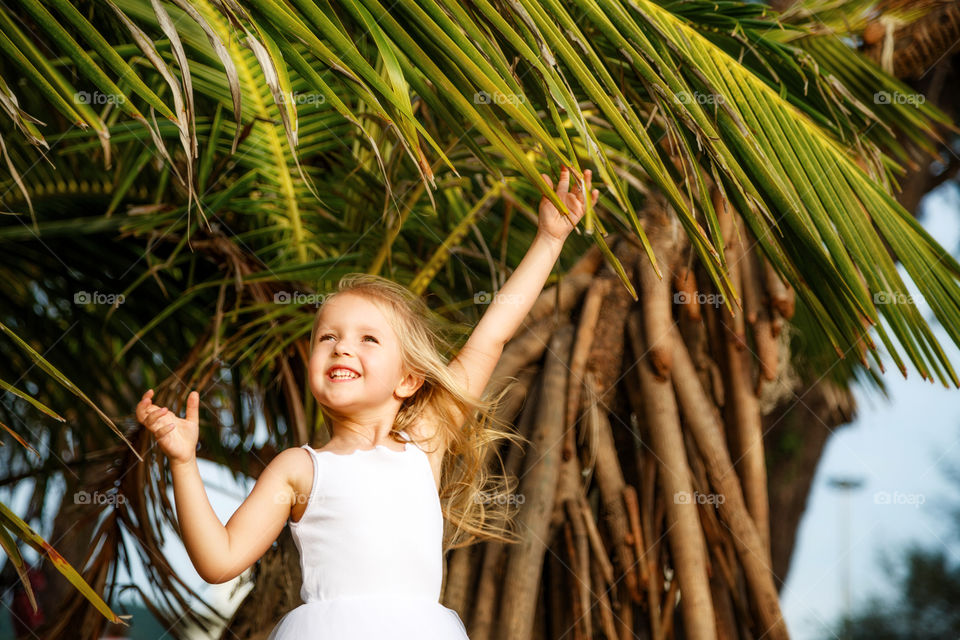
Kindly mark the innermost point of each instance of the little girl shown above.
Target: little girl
(365, 512)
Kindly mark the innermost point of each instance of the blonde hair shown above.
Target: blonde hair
(476, 503)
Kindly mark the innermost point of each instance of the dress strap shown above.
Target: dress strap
(314, 486)
(410, 442)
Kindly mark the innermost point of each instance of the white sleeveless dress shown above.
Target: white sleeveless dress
(371, 551)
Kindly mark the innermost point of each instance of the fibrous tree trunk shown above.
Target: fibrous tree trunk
(617, 538)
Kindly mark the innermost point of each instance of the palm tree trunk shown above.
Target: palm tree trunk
(704, 422)
(525, 565)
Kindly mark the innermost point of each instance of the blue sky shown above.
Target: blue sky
(899, 448)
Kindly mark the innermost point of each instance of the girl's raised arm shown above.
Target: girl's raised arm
(219, 553)
(475, 362)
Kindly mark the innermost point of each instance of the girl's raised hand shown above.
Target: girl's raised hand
(553, 224)
(177, 437)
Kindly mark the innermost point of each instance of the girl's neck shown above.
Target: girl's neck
(361, 433)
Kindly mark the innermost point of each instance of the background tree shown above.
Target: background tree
(922, 53)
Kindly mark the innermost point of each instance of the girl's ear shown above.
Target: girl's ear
(408, 385)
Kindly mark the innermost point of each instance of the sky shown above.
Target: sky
(898, 448)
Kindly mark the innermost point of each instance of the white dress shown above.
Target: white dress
(371, 551)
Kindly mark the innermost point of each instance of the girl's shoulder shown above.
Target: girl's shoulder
(296, 465)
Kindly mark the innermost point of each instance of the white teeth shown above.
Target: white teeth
(343, 375)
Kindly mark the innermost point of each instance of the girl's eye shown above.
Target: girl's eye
(325, 336)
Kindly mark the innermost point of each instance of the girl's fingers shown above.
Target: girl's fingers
(581, 189)
(153, 415)
(144, 405)
(564, 185)
(164, 430)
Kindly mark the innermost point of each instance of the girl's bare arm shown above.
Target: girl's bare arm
(219, 553)
(222, 552)
(475, 362)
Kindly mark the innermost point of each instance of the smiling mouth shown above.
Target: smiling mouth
(342, 374)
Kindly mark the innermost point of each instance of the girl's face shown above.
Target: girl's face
(356, 361)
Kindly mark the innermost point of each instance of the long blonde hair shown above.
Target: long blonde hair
(476, 503)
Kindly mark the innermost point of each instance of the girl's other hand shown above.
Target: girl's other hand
(553, 224)
(177, 437)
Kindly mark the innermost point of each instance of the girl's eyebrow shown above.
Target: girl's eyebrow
(363, 328)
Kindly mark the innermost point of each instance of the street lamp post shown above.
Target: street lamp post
(845, 485)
